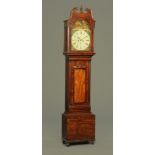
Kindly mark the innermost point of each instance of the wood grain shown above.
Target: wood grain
(79, 85)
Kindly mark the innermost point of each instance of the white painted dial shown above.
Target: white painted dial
(80, 39)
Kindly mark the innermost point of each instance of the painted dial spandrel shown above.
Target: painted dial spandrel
(80, 40)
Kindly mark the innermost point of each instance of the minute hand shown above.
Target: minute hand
(84, 37)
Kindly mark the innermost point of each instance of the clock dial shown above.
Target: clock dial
(80, 40)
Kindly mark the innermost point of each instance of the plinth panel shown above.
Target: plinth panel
(78, 127)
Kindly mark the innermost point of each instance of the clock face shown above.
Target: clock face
(80, 40)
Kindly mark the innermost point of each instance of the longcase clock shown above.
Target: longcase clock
(78, 122)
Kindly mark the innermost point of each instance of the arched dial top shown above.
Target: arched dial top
(80, 36)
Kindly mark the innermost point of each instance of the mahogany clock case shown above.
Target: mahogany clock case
(78, 123)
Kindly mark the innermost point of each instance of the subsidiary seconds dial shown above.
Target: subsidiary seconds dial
(80, 40)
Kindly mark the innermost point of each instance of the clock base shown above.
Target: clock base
(68, 142)
(78, 128)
